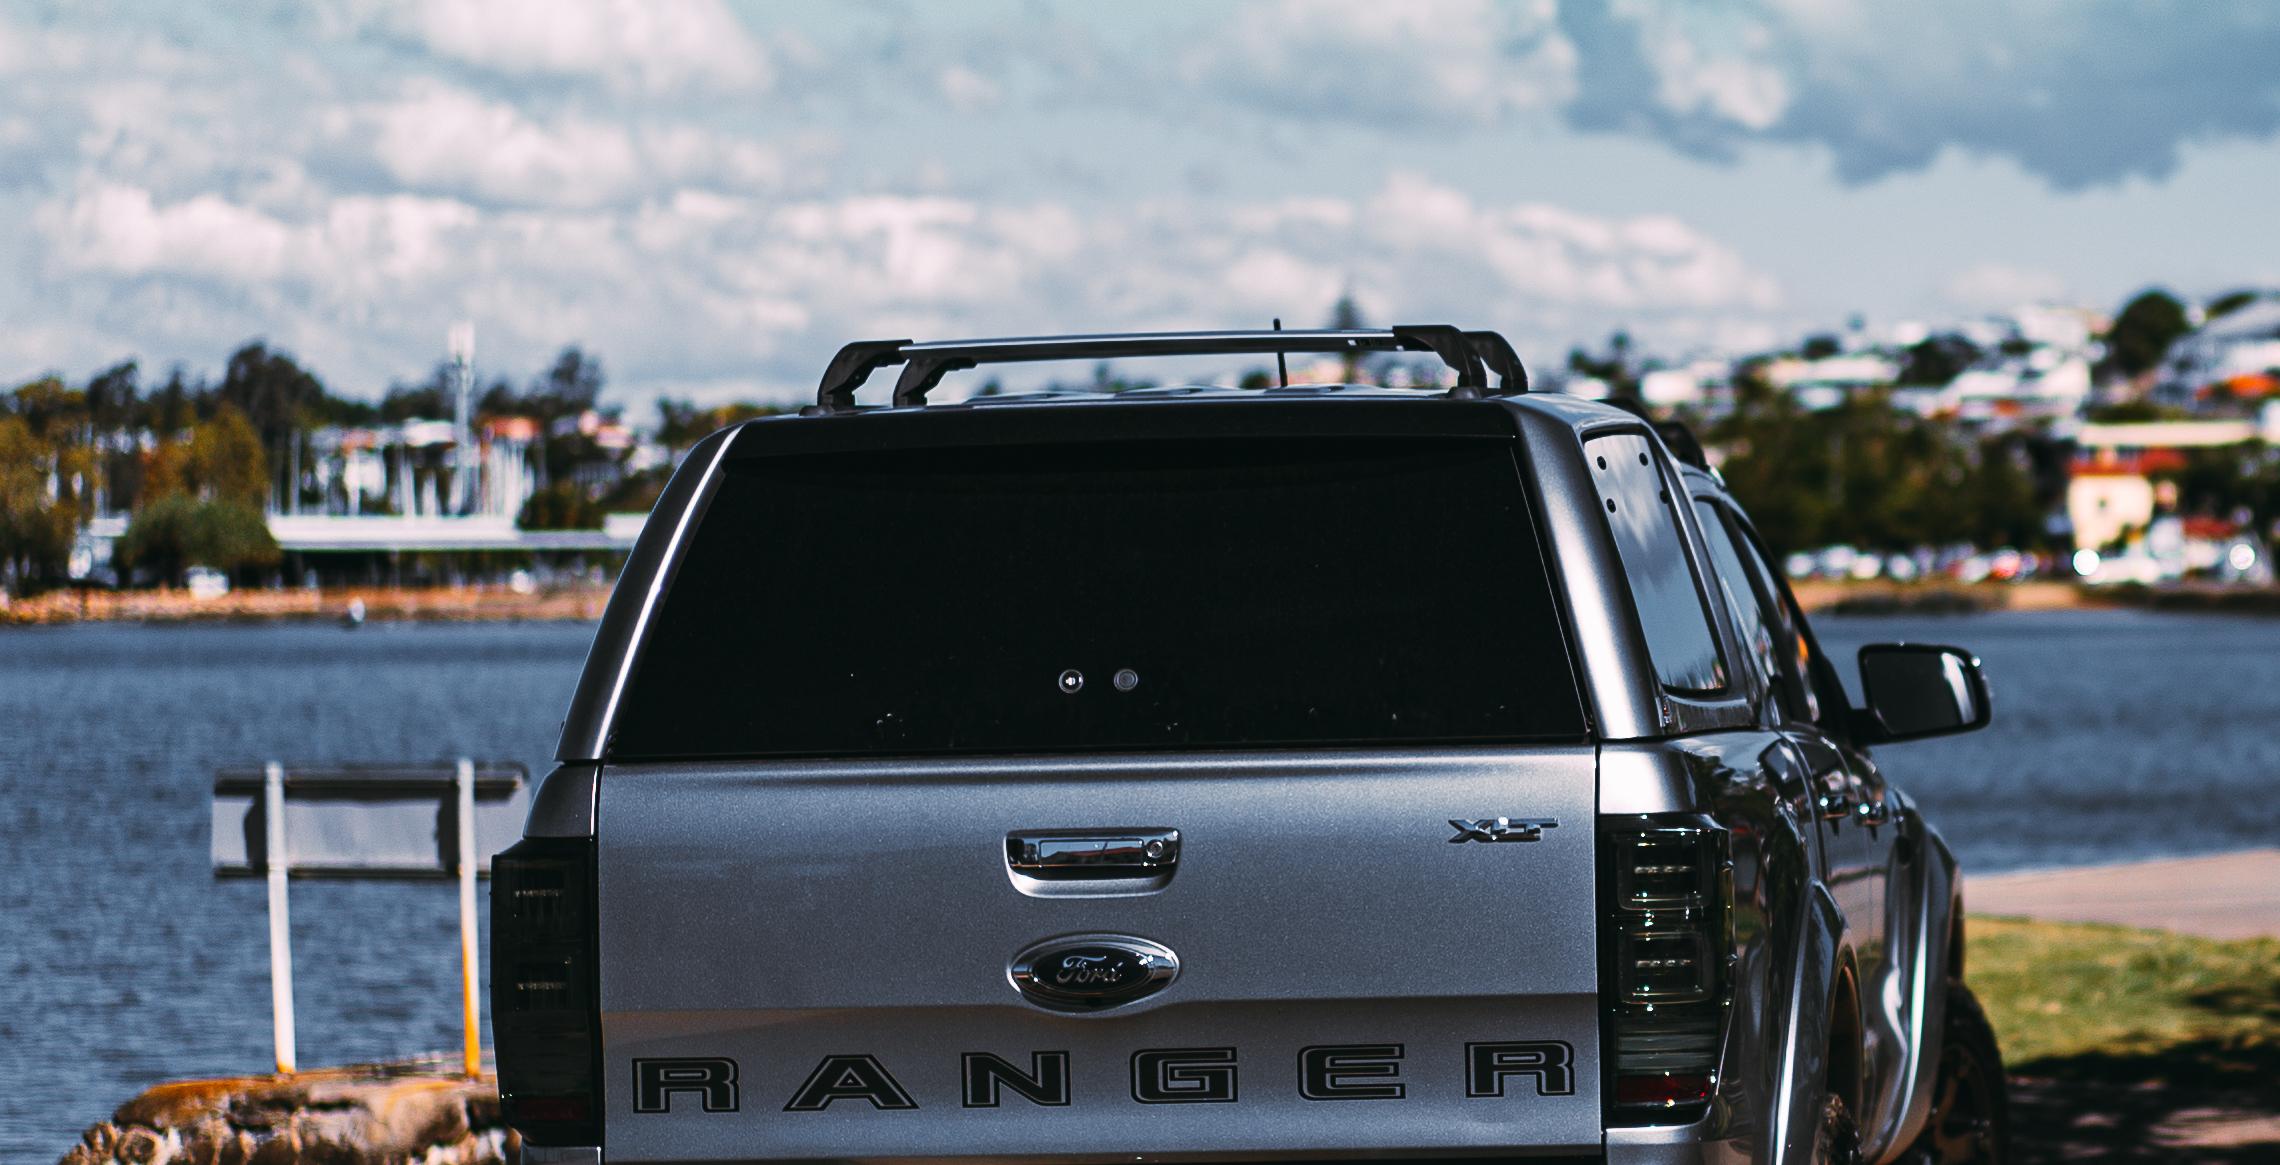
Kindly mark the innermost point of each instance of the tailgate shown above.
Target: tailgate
(814, 960)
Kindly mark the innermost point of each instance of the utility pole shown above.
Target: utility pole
(462, 343)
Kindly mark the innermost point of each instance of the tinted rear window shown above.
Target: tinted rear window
(1123, 595)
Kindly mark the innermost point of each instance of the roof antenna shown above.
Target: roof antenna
(1281, 368)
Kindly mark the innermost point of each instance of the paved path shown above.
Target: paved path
(2234, 895)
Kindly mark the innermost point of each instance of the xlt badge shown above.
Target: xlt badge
(1089, 972)
(1501, 829)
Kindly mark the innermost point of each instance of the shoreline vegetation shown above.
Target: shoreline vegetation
(483, 603)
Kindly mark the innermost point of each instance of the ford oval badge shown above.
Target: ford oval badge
(1092, 972)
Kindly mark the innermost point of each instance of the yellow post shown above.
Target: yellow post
(469, 968)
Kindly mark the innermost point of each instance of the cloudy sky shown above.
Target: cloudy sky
(713, 196)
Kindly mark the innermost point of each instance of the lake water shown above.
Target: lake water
(124, 962)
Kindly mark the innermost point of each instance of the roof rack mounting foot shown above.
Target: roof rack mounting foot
(849, 369)
(1455, 348)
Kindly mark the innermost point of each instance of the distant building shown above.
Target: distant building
(2233, 351)
(1824, 383)
(2111, 495)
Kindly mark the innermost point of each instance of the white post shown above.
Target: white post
(469, 968)
(276, 859)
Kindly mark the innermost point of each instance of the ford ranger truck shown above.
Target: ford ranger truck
(1321, 773)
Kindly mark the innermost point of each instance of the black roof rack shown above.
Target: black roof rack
(1472, 354)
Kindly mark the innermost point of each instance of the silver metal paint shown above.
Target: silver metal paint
(563, 806)
(716, 867)
(1611, 653)
(1317, 901)
(1644, 779)
(561, 1155)
(1939, 903)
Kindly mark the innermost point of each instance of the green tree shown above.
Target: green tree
(278, 397)
(1934, 361)
(2231, 301)
(2142, 332)
(177, 532)
(1871, 475)
(561, 506)
(226, 462)
(36, 529)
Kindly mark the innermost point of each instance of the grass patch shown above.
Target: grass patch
(2082, 993)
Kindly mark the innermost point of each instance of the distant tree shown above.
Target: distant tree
(277, 395)
(1614, 368)
(36, 530)
(571, 386)
(1821, 347)
(2230, 302)
(1936, 361)
(2235, 481)
(225, 460)
(2143, 331)
(112, 397)
(54, 410)
(431, 399)
(561, 506)
(1346, 315)
(1871, 475)
(681, 424)
(2132, 411)
(173, 407)
(175, 533)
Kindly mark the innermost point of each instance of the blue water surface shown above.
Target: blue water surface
(124, 962)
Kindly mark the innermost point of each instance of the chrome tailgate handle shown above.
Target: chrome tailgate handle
(1093, 853)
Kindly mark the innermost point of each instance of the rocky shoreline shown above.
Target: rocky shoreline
(376, 1114)
(464, 604)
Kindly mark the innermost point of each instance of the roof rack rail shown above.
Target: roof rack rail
(1473, 354)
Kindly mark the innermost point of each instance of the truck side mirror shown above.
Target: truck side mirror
(1915, 690)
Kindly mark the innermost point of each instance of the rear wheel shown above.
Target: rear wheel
(1970, 1120)
(1836, 1140)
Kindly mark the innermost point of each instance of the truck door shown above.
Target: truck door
(1848, 797)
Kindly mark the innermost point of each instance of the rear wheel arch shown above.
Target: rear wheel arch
(1845, 1037)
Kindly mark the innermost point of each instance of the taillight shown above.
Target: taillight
(545, 995)
(1666, 944)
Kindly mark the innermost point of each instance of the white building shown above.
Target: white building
(2243, 343)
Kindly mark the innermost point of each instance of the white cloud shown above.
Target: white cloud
(968, 90)
(355, 243)
(701, 285)
(2001, 287)
(2079, 91)
(1460, 61)
(437, 138)
(649, 45)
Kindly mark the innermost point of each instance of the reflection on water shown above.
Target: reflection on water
(122, 961)
(2117, 735)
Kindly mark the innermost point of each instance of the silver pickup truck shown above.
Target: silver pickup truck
(1317, 773)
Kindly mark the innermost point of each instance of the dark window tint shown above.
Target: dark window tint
(1636, 501)
(1741, 595)
(1166, 593)
(1793, 650)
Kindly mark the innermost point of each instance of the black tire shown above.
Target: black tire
(1836, 1138)
(1970, 1121)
